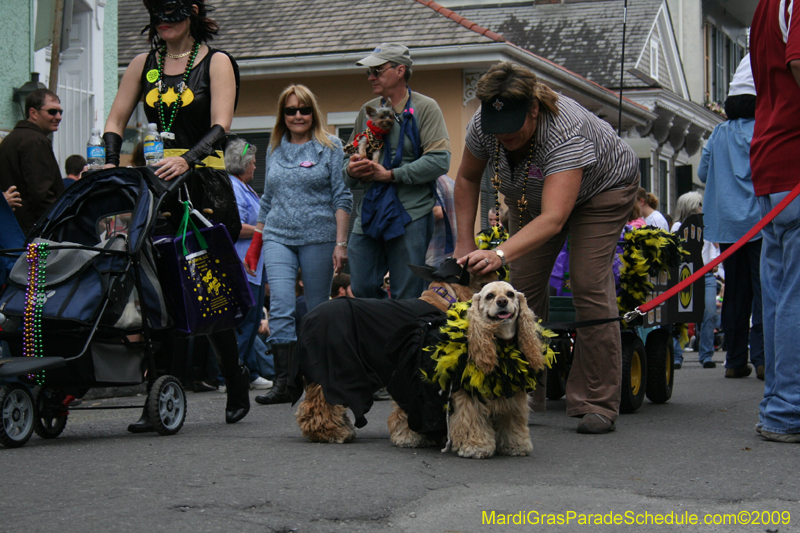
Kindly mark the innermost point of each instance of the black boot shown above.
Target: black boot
(282, 355)
(238, 404)
(237, 376)
(142, 425)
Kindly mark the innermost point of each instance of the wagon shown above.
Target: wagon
(647, 343)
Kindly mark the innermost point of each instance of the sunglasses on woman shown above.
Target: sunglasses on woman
(292, 111)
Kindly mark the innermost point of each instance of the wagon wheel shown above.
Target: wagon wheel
(634, 372)
(18, 415)
(52, 414)
(660, 370)
(166, 405)
(557, 375)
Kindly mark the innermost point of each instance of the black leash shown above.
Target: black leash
(582, 324)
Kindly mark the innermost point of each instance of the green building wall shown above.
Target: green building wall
(110, 76)
(15, 59)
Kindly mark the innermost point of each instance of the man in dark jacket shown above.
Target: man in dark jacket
(27, 160)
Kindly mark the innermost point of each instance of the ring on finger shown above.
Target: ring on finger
(487, 261)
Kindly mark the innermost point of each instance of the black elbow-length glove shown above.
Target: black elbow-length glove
(205, 147)
(113, 145)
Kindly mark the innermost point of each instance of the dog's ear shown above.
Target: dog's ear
(480, 338)
(476, 302)
(530, 343)
(370, 110)
(389, 103)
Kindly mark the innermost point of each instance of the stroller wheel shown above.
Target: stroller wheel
(166, 405)
(52, 412)
(18, 415)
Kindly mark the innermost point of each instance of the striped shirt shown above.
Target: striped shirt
(574, 139)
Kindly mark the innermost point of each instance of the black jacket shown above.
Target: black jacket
(27, 161)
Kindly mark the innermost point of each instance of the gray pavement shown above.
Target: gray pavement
(696, 455)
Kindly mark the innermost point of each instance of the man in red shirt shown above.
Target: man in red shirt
(775, 59)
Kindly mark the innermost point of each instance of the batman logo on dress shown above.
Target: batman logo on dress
(169, 97)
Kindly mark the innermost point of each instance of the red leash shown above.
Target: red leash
(655, 302)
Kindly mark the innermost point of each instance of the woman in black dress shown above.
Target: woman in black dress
(190, 91)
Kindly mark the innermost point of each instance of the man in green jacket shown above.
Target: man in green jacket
(394, 220)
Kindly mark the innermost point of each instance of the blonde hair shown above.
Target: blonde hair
(305, 98)
(515, 82)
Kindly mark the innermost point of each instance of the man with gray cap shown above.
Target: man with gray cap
(394, 220)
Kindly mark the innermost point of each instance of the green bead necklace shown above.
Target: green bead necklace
(173, 109)
(522, 203)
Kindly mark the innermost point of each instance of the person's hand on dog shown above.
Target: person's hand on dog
(380, 174)
(360, 168)
(367, 170)
(481, 262)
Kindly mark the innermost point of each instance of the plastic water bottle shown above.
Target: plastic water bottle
(95, 151)
(153, 146)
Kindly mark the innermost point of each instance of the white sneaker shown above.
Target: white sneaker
(260, 384)
(222, 389)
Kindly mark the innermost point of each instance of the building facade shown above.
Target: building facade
(87, 73)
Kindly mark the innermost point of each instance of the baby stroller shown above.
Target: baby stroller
(82, 306)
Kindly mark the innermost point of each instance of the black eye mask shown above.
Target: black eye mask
(170, 11)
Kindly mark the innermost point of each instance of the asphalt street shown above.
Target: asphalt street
(697, 455)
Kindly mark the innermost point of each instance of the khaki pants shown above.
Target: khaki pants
(594, 228)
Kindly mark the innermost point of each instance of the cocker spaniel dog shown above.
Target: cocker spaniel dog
(344, 350)
(500, 353)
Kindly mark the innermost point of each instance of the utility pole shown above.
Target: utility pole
(56, 49)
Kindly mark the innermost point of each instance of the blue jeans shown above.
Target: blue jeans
(249, 329)
(266, 364)
(282, 263)
(370, 259)
(706, 346)
(779, 411)
(677, 352)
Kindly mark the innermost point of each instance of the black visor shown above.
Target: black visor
(503, 115)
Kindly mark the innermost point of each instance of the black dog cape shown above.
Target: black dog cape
(349, 347)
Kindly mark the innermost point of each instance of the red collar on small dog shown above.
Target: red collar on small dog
(376, 130)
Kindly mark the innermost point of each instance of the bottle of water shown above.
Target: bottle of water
(95, 151)
(153, 146)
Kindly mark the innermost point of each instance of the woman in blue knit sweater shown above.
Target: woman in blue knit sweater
(302, 223)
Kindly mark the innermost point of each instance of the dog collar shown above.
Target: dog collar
(376, 130)
(441, 291)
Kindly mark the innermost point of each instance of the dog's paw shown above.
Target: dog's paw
(344, 438)
(517, 451)
(403, 437)
(331, 435)
(417, 441)
(474, 452)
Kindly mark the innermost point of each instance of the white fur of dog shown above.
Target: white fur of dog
(482, 427)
